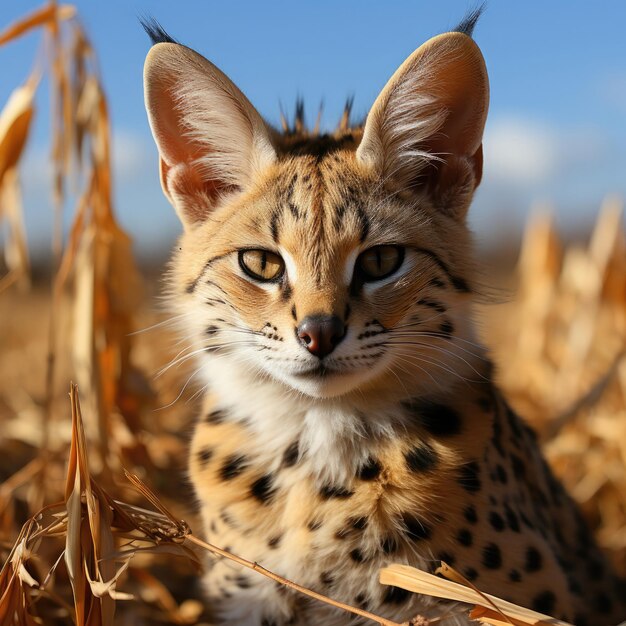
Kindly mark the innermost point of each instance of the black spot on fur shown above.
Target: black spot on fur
(469, 477)
(515, 576)
(395, 595)
(496, 521)
(361, 600)
(290, 457)
(470, 573)
(501, 474)
(389, 545)
(332, 491)
(327, 578)
(492, 557)
(470, 514)
(464, 537)
(528, 523)
(342, 533)
(274, 541)
(228, 520)
(266, 621)
(263, 489)
(595, 569)
(446, 557)
(511, 519)
(204, 456)
(352, 524)
(370, 470)
(574, 586)
(243, 582)
(314, 524)
(439, 420)
(514, 423)
(545, 602)
(416, 528)
(215, 417)
(485, 403)
(421, 458)
(432, 304)
(497, 436)
(602, 603)
(233, 466)
(534, 560)
(357, 556)
(518, 467)
(446, 328)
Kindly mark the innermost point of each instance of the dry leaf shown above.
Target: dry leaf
(44, 16)
(417, 581)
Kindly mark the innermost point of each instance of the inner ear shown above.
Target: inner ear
(451, 182)
(212, 142)
(425, 128)
(192, 192)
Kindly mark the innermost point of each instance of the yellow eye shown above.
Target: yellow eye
(379, 262)
(261, 265)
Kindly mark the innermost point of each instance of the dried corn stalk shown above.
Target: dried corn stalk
(98, 261)
(15, 122)
(107, 285)
(91, 525)
(563, 342)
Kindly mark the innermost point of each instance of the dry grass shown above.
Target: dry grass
(78, 544)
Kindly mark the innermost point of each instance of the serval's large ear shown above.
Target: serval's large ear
(211, 140)
(426, 126)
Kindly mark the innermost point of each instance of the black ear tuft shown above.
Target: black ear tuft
(155, 31)
(469, 21)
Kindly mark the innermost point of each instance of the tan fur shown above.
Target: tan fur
(405, 452)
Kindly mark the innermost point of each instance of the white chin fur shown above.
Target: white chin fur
(330, 386)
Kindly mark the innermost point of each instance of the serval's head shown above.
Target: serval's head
(331, 263)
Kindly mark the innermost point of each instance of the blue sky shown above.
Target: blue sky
(556, 130)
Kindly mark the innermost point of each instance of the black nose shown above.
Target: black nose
(320, 334)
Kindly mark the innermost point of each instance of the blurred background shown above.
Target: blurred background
(556, 131)
(80, 283)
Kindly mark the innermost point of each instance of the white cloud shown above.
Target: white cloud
(529, 162)
(520, 151)
(132, 155)
(531, 154)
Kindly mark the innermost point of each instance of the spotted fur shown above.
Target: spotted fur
(395, 446)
